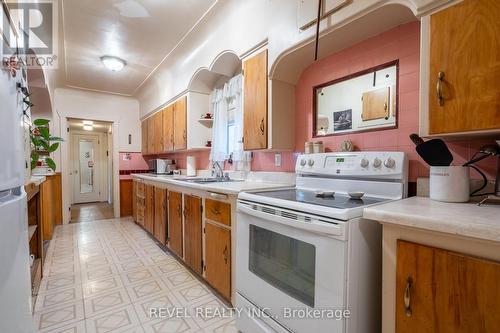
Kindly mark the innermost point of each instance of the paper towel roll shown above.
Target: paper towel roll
(191, 166)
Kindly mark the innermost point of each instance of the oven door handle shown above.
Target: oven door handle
(327, 228)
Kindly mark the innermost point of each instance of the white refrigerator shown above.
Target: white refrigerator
(15, 278)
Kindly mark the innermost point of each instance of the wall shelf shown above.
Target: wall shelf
(207, 122)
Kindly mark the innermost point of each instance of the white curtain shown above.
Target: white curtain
(241, 159)
(227, 107)
(219, 128)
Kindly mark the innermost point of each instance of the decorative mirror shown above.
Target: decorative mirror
(363, 101)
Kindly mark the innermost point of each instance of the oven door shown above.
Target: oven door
(285, 269)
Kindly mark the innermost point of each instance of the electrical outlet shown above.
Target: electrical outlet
(277, 160)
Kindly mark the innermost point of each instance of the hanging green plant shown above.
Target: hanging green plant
(42, 143)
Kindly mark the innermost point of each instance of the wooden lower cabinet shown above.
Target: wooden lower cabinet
(443, 291)
(218, 258)
(175, 237)
(126, 195)
(47, 207)
(149, 213)
(134, 200)
(160, 215)
(193, 233)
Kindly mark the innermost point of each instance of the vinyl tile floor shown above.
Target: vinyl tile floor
(110, 276)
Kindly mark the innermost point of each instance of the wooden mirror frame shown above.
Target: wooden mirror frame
(351, 76)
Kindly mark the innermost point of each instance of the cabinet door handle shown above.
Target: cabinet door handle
(217, 196)
(262, 128)
(225, 255)
(407, 296)
(439, 88)
(215, 211)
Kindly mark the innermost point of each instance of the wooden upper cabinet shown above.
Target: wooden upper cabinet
(144, 137)
(218, 258)
(446, 292)
(160, 216)
(255, 102)
(175, 231)
(193, 232)
(180, 124)
(168, 128)
(158, 133)
(149, 213)
(465, 67)
(151, 136)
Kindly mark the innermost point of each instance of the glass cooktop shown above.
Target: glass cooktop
(339, 201)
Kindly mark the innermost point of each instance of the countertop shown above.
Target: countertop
(463, 219)
(36, 180)
(231, 188)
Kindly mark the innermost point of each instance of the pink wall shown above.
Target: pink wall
(401, 43)
(135, 164)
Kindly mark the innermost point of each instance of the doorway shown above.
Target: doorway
(87, 168)
(91, 170)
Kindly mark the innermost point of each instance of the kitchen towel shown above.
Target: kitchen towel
(191, 166)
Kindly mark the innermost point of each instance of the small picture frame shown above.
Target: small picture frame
(342, 120)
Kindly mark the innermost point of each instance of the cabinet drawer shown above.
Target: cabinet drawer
(218, 211)
(140, 189)
(140, 215)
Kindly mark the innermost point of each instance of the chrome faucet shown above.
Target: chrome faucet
(218, 171)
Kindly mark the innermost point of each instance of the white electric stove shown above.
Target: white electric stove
(306, 260)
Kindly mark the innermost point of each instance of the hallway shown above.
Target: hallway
(91, 212)
(105, 276)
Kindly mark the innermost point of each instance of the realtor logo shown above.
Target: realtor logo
(29, 30)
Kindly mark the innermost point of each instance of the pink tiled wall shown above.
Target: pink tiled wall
(135, 163)
(399, 43)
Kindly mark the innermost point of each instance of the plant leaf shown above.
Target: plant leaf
(33, 164)
(44, 145)
(56, 138)
(34, 156)
(53, 147)
(50, 162)
(44, 131)
(35, 141)
(40, 122)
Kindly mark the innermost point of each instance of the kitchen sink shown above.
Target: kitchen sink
(208, 180)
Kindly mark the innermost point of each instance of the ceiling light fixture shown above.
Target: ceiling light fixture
(88, 122)
(88, 127)
(114, 64)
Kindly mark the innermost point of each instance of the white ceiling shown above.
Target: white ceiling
(142, 32)
(98, 126)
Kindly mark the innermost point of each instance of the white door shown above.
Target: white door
(86, 171)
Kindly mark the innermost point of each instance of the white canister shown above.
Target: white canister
(191, 166)
(308, 147)
(449, 184)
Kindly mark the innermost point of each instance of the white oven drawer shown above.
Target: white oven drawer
(283, 266)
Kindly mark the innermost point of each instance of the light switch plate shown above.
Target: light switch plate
(277, 160)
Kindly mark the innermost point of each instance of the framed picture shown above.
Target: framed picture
(342, 120)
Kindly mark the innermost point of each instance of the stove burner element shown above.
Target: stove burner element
(324, 194)
(356, 195)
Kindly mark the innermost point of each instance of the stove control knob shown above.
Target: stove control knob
(310, 163)
(303, 162)
(364, 163)
(377, 162)
(390, 163)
